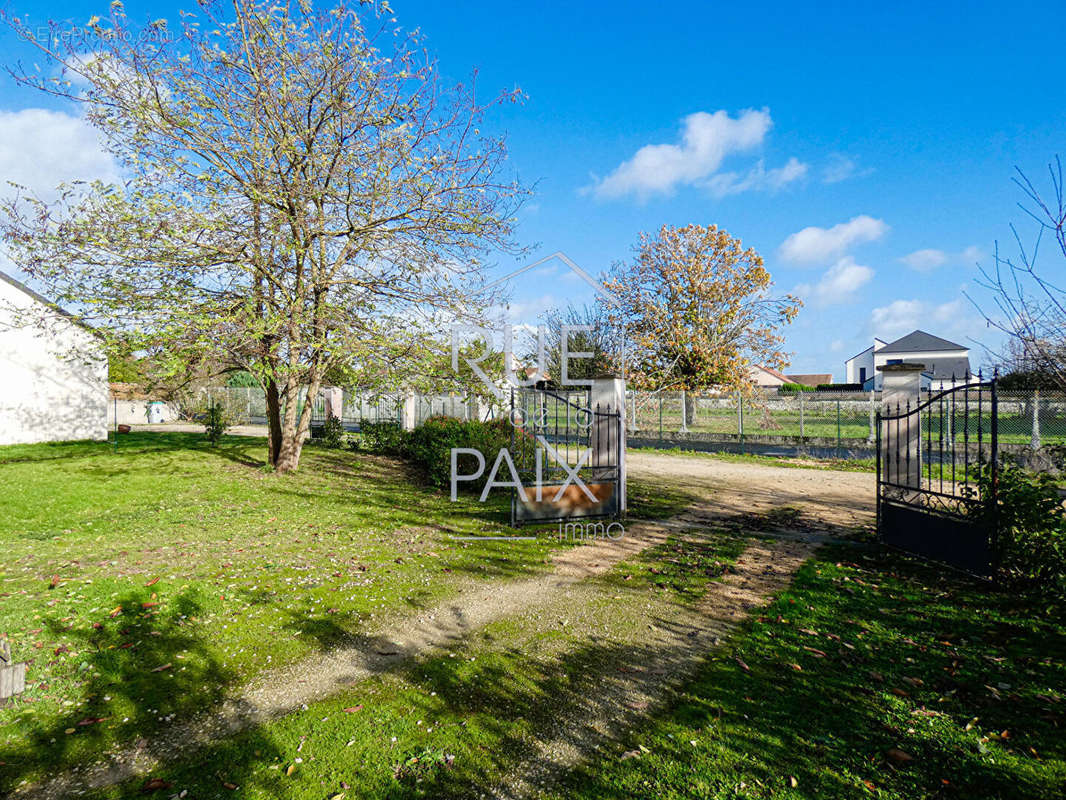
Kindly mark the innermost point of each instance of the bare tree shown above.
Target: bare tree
(1029, 302)
(300, 191)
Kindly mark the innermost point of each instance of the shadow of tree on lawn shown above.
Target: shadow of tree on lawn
(138, 671)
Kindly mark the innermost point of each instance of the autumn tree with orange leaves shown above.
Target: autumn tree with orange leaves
(698, 311)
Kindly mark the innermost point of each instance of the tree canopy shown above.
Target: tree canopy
(300, 192)
(698, 311)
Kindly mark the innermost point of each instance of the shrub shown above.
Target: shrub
(1032, 531)
(431, 444)
(839, 387)
(383, 438)
(332, 433)
(242, 380)
(792, 388)
(216, 422)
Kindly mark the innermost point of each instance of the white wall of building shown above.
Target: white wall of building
(135, 412)
(53, 374)
(854, 367)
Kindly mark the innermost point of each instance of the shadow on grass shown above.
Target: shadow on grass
(138, 669)
(839, 673)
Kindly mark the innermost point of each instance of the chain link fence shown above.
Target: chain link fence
(843, 420)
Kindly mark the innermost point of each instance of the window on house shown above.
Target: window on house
(862, 374)
(895, 361)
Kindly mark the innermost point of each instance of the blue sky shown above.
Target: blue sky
(886, 134)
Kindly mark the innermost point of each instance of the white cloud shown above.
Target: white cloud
(838, 284)
(840, 168)
(706, 139)
(820, 244)
(40, 149)
(953, 318)
(927, 259)
(758, 178)
(931, 258)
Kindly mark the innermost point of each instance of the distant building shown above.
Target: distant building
(767, 377)
(53, 371)
(770, 378)
(815, 379)
(946, 363)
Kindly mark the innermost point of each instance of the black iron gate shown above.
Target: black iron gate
(568, 455)
(937, 477)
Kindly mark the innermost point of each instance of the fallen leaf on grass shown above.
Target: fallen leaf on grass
(743, 666)
(152, 582)
(115, 611)
(162, 668)
(54, 582)
(630, 754)
(792, 781)
(155, 784)
(353, 709)
(898, 757)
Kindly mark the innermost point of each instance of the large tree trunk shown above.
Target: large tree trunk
(690, 409)
(295, 426)
(273, 414)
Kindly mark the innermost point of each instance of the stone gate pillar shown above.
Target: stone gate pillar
(901, 439)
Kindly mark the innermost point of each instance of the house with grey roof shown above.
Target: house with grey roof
(946, 363)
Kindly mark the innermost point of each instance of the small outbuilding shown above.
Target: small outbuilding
(53, 371)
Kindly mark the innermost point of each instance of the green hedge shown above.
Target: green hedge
(1032, 532)
(792, 388)
(383, 438)
(430, 445)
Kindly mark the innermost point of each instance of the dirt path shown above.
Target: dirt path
(827, 499)
(672, 654)
(725, 489)
(280, 691)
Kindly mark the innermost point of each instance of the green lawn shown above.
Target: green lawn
(144, 585)
(141, 583)
(873, 676)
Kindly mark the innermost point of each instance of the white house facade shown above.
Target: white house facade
(946, 363)
(53, 371)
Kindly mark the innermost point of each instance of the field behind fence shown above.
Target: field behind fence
(844, 420)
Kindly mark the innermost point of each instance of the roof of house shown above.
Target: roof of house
(919, 341)
(40, 298)
(813, 379)
(948, 369)
(771, 371)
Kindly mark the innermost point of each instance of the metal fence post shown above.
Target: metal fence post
(872, 415)
(740, 414)
(660, 416)
(684, 413)
(838, 427)
(802, 434)
(1034, 442)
